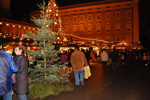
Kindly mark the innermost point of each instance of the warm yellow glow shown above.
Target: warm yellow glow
(19, 26)
(58, 37)
(47, 25)
(7, 24)
(55, 23)
(1, 23)
(20, 43)
(24, 27)
(56, 14)
(4, 36)
(21, 38)
(14, 37)
(13, 26)
(55, 5)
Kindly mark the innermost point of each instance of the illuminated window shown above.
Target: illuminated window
(81, 18)
(98, 28)
(118, 27)
(66, 20)
(128, 14)
(89, 17)
(107, 15)
(74, 28)
(81, 28)
(98, 16)
(118, 15)
(108, 27)
(89, 28)
(74, 19)
(128, 26)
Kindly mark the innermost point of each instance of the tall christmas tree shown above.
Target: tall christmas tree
(48, 27)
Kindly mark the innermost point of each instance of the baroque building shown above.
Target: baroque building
(109, 22)
(114, 21)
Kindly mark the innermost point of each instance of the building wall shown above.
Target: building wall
(123, 29)
(15, 32)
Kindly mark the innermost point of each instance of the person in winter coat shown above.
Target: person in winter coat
(22, 84)
(78, 60)
(8, 65)
(104, 59)
(114, 57)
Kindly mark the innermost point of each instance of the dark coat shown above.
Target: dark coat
(22, 83)
(7, 66)
(114, 56)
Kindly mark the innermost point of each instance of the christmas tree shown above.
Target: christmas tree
(47, 66)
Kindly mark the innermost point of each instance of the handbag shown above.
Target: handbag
(87, 72)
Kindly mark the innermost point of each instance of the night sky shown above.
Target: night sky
(20, 10)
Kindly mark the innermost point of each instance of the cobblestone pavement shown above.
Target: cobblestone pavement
(129, 82)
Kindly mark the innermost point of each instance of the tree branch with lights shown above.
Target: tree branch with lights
(48, 64)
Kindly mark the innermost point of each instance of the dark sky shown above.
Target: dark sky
(21, 9)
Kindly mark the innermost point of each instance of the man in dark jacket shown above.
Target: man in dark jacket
(114, 57)
(7, 66)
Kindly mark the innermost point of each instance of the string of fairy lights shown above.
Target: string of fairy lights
(53, 14)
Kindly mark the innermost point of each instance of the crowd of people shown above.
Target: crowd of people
(14, 69)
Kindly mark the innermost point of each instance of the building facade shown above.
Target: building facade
(15, 32)
(109, 22)
(115, 21)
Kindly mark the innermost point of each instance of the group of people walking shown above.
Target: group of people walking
(115, 57)
(13, 71)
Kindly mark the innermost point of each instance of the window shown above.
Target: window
(89, 17)
(118, 39)
(118, 27)
(89, 28)
(128, 26)
(118, 15)
(17, 31)
(128, 38)
(74, 28)
(74, 19)
(108, 38)
(107, 27)
(98, 16)
(81, 18)
(128, 14)
(107, 15)
(66, 28)
(66, 20)
(81, 28)
(8, 29)
(98, 28)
